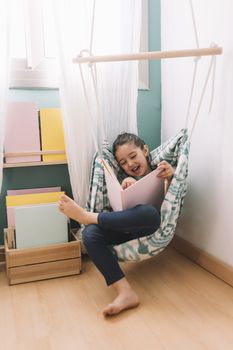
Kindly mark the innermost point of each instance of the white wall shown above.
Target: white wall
(207, 217)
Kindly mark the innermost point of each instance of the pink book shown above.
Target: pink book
(33, 190)
(148, 190)
(22, 131)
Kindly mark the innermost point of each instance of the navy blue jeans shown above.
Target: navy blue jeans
(115, 228)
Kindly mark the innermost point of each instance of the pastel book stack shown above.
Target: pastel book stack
(29, 197)
(22, 134)
(34, 215)
(52, 134)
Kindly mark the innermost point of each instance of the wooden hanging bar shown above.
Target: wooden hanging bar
(153, 55)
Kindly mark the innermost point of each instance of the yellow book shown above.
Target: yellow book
(33, 198)
(52, 134)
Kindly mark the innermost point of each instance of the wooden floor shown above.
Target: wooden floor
(182, 307)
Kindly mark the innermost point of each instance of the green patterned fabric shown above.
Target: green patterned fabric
(175, 151)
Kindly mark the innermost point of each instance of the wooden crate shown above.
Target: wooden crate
(39, 263)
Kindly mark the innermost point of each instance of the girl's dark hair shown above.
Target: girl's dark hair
(125, 138)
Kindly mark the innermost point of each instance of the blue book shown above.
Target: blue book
(40, 225)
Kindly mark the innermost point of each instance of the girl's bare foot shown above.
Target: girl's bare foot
(126, 298)
(122, 302)
(71, 209)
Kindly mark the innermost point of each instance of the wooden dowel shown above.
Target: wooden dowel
(153, 55)
(36, 153)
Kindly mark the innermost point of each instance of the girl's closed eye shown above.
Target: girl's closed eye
(122, 163)
(132, 157)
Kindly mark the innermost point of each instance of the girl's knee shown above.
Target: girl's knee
(90, 235)
(151, 215)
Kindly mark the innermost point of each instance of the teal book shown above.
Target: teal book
(40, 225)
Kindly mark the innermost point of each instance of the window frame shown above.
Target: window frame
(40, 72)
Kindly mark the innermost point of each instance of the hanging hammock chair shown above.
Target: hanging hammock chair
(175, 151)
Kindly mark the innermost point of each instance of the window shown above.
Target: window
(33, 47)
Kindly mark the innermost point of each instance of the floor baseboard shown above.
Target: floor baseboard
(205, 260)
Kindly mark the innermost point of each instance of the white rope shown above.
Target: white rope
(92, 66)
(213, 85)
(192, 90)
(87, 101)
(202, 95)
(194, 23)
(102, 133)
(196, 60)
(94, 80)
(101, 119)
(92, 27)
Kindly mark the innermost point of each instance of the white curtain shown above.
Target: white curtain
(114, 29)
(206, 220)
(4, 72)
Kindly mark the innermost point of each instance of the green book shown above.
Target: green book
(40, 225)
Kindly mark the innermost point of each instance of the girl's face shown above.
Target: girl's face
(133, 159)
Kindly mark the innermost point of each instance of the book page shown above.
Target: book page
(147, 190)
(113, 187)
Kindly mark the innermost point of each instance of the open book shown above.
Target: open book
(148, 190)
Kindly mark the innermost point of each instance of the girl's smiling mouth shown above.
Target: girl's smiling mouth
(136, 169)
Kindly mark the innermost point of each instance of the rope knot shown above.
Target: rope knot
(86, 53)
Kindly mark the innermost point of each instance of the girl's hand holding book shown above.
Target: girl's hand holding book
(128, 181)
(165, 170)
